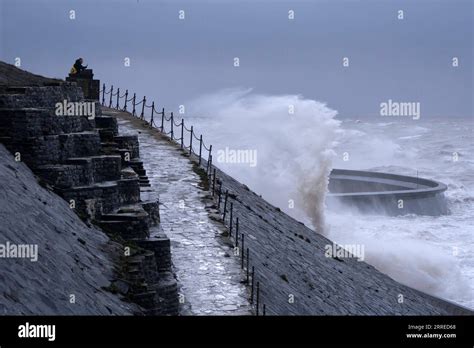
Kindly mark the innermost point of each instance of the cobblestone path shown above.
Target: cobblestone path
(209, 275)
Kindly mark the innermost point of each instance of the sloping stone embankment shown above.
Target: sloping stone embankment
(74, 266)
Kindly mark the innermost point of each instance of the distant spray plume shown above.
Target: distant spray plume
(293, 138)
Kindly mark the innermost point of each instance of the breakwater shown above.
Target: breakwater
(385, 193)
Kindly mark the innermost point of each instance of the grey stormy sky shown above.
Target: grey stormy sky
(174, 61)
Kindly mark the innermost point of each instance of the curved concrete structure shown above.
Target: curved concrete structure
(383, 193)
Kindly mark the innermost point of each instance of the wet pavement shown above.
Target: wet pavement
(209, 275)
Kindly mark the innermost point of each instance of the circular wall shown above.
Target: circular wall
(384, 193)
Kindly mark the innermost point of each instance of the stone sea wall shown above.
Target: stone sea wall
(99, 174)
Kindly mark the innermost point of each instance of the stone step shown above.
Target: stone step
(110, 144)
(107, 123)
(41, 96)
(136, 164)
(129, 143)
(153, 210)
(141, 172)
(14, 90)
(145, 299)
(160, 245)
(5, 140)
(102, 198)
(66, 175)
(103, 167)
(32, 122)
(127, 229)
(55, 149)
(109, 148)
(123, 217)
(106, 135)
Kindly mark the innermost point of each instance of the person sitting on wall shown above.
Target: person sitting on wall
(77, 68)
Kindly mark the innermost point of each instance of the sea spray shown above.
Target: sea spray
(293, 138)
(393, 246)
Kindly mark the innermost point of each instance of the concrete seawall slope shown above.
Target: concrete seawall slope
(73, 259)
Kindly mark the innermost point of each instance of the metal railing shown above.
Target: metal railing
(167, 126)
(167, 122)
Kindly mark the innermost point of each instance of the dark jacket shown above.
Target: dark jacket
(78, 66)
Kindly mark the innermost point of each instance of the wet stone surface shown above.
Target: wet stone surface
(209, 275)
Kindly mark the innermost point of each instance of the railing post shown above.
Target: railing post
(231, 213)
(264, 311)
(118, 97)
(225, 204)
(162, 119)
(220, 197)
(209, 158)
(209, 176)
(143, 108)
(126, 100)
(191, 142)
(258, 295)
(200, 149)
(103, 94)
(133, 102)
(236, 232)
(248, 262)
(252, 286)
(243, 251)
(214, 183)
(209, 165)
(172, 124)
(182, 132)
(111, 92)
(152, 113)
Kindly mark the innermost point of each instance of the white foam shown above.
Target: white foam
(294, 150)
